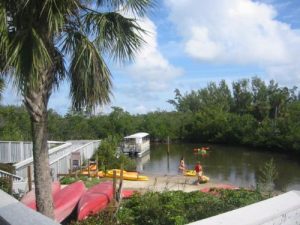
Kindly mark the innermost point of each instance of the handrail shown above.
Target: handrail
(74, 150)
(51, 151)
(6, 174)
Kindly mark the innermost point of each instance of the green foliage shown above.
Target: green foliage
(257, 114)
(175, 207)
(110, 158)
(103, 218)
(268, 174)
(5, 185)
(89, 182)
(14, 123)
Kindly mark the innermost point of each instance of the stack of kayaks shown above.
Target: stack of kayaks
(97, 198)
(65, 200)
(94, 200)
(29, 198)
(89, 202)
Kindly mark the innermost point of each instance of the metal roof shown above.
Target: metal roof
(137, 135)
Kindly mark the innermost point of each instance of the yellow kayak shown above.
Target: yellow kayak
(205, 179)
(92, 173)
(190, 173)
(127, 175)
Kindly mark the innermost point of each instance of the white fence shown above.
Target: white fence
(17, 151)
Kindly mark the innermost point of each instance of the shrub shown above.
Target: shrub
(5, 185)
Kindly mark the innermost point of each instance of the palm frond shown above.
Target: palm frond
(28, 56)
(4, 40)
(58, 12)
(89, 75)
(116, 35)
(137, 7)
(59, 67)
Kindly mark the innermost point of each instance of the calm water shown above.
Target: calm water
(235, 165)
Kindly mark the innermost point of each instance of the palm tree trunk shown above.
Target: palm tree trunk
(36, 101)
(42, 178)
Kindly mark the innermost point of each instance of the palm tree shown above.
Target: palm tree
(39, 36)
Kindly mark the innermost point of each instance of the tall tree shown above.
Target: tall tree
(260, 105)
(38, 36)
(242, 97)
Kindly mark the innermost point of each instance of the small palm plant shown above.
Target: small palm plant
(268, 174)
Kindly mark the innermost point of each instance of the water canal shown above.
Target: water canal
(236, 165)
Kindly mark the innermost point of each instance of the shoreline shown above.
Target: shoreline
(161, 183)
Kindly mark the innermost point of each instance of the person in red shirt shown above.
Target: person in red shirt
(198, 169)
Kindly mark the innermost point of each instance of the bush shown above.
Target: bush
(174, 207)
(5, 185)
(177, 207)
(110, 158)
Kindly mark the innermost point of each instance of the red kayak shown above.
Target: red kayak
(95, 200)
(66, 200)
(29, 198)
(127, 193)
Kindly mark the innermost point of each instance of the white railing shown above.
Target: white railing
(17, 151)
(9, 175)
(62, 164)
(21, 167)
(59, 157)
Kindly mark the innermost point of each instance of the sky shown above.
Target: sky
(190, 43)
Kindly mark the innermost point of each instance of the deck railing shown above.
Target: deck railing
(62, 164)
(59, 157)
(9, 176)
(17, 151)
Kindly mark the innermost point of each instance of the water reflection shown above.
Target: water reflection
(140, 161)
(236, 165)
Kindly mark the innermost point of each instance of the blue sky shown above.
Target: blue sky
(193, 42)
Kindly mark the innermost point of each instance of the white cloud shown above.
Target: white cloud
(149, 78)
(238, 32)
(150, 65)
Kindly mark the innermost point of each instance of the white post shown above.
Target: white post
(22, 155)
(9, 152)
